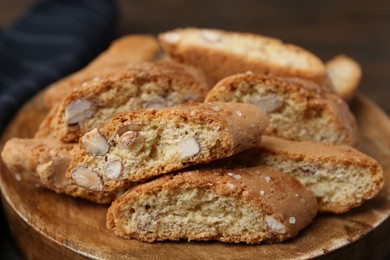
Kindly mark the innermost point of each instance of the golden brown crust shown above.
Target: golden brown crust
(300, 98)
(269, 191)
(217, 130)
(221, 54)
(120, 54)
(162, 83)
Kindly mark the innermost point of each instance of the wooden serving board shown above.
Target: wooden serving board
(47, 225)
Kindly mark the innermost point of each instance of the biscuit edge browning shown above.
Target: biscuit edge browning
(247, 205)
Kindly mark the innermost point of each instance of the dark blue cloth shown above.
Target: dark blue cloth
(52, 39)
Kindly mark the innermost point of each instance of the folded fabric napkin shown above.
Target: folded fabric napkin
(52, 39)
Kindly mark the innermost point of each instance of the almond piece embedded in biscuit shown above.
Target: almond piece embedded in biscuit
(78, 110)
(87, 178)
(275, 225)
(187, 147)
(114, 170)
(268, 104)
(127, 138)
(128, 127)
(95, 143)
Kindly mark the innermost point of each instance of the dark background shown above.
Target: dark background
(360, 29)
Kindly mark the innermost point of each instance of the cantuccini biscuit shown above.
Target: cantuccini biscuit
(138, 145)
(340, 176)
(250, 205)
(121, 53)
(345, 74)
(48, 160)
(297, 109)
(143, 85)
(220, 54)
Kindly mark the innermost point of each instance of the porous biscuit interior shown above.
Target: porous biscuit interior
(130, 95)
(159, 147)
(153, 94)
(292, 115)
(338, 187)
(194, 214)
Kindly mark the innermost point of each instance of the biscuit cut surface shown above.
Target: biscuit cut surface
(340, 176)
(221, 54)
(120, 54)
(138, 145)
(143, 85)
(345, 74)
(47, 160)
(297, 109)
(250, 205)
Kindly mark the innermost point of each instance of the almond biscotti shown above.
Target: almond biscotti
(340, 176)
(220, 54)
(250, 205)
(143, 85)
(345, 75)
(297, 109)
(121, 53)
(138, 145)
(47, 161)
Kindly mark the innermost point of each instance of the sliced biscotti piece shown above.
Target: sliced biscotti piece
(296, 108)
(250, 205)
(144, 85)
(220, 54)
(121, 53)
(47, 160)
(340, 176)
(345, 74)
(139, 145)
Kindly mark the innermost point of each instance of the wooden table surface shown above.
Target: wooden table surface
(360, 29)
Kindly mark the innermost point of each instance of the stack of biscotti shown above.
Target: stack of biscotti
(262, 125)
(137, 145)
(155, 84)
